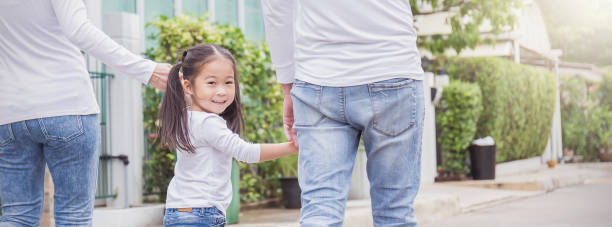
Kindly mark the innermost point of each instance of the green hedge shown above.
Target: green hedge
(456, 122)
(518, 103)
(261, 98)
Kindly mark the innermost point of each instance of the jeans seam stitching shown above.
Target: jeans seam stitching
(27, 130)
(342, 98)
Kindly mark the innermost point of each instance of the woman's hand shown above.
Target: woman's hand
(159, 78)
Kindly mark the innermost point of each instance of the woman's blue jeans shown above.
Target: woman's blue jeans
(69, 146)
(329, 123)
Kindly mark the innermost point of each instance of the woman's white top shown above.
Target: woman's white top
(342, 42)
(42, 70)
(202, 178)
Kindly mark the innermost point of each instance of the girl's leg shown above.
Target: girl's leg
(72, 153)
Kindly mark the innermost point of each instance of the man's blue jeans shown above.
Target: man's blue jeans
(329, 123)
(69, 145)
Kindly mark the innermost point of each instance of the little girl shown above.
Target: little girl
(206, 135)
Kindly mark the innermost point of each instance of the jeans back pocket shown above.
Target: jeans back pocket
(62, 128)
(6, 134)
(306, 99)
(394, 105)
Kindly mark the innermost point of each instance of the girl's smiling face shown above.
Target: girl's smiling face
(213, 88)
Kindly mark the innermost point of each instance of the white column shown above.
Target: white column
(241, 16)
(178, 7)
(517, 51)
(140, 10)
(554, 146)
(126, 114)
(428, 157)
(211, 10)
(557, 130)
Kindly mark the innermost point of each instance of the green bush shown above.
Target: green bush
(601, 119)
(579, 121)
(456, 120)
(518, 103)
(605, 90)
(261, 99)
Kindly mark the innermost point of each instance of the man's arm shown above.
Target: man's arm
(288, 119)
(278, 19)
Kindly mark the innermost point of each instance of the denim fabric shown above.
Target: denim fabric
(330, 121)
(204, 217)
(69, 145)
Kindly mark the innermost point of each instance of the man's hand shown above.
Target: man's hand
(288, 119)
(159, 79)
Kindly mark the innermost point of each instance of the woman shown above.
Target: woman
(48, 111)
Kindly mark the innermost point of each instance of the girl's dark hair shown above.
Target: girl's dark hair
(174, 128)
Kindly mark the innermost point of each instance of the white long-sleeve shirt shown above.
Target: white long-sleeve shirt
(341, 42)
(42, 71)
(202, 178)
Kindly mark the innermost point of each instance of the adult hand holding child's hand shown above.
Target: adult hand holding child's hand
(159, 79)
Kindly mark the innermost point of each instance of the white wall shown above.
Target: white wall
(428, 157)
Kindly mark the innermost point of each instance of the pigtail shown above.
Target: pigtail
(174, 127)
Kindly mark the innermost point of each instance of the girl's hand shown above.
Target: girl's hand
(273, 151)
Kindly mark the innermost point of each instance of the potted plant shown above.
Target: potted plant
(291, 192)
(552, 162)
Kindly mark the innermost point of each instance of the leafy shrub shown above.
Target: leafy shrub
(261, 99)
(579, 124)
(586, 116)
(605, 90)
(518, 103)
(456, 121)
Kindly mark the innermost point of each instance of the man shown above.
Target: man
(350, 68)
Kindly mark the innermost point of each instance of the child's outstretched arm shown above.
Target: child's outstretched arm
(273, 151)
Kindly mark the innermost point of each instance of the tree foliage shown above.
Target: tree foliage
(466, 19)
(581, 29)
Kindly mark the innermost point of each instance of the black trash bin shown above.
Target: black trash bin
(483, 161)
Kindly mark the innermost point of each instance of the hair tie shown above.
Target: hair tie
(184, 55)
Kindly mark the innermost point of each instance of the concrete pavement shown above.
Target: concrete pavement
(443, 200)
(581, 205)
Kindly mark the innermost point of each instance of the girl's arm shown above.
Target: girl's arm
(273, 151)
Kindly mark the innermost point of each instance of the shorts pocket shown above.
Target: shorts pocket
(63, 128)
(6, 135)
(178, 218)
(306, 99)
(394, 105)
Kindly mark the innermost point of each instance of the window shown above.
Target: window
(253, 21)
(153, 9)
(195, 7)
(112, 6)
(226, 12)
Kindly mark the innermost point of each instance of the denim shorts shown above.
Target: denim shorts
(204, 217)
